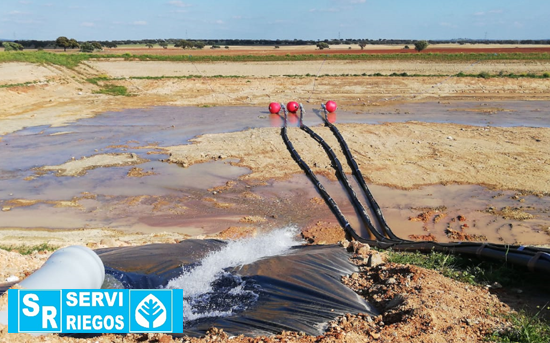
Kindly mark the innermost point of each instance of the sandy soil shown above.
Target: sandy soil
(403, 155)
(79, 167)
(400, 155)
(265, 69)
(67, 96)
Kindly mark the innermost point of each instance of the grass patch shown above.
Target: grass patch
(113, 90)
(71, 60)
(525, 328)
(29, 249)
(468, 270)
(24, 84)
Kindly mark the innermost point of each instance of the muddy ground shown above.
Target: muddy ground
(400, 155)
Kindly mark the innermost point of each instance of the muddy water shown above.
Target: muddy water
(184, 199)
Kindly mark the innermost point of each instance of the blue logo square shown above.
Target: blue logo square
(151, 310)
(39, 311)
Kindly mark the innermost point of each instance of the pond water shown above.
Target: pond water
(175, 198)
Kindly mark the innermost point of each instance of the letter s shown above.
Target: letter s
(119, 322)
(28, 301)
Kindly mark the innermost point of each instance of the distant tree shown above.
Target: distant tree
(111, 45)
(226, 47)
(406, 47)
(184, 44)
(149, 45)
(421, 45)
(97, 45)
(63, 42)
(362, 44)
(199, 44)
(323, 45)
(87, 47)
(12, 46)
(215, 47)
(164, 45)
(277, 47)
(73, 43)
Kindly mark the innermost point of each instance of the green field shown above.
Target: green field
(71, 60)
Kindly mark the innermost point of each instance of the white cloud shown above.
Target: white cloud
(479, 13)
(25, 2)
(518, 24)
(178, 3)
(237, 17)
(331, 10)
(87, 24)
(219, 22)
(495, 11)
(18, 13)
(445, 24)
(139, 22)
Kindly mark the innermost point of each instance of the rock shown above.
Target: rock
(396, 301)
(355, 276)
(6, 209)
(496, 285)
(12, 278)
(108, 242)
(166, 339)
(450, 138)
(363, 250)
(391, 281)
(375, 260)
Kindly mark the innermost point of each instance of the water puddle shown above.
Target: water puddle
(476, 212)
(168, 197)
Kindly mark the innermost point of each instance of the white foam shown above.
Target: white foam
(198, 281)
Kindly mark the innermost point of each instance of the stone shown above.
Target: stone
(375, 260)
(391, 281)
(108, 242)
(363, 250)
(396, 301)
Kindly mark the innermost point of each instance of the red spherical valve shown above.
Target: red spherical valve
(292, 107)
(274, 107)
(331, 106)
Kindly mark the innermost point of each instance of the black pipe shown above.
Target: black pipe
(535, 259)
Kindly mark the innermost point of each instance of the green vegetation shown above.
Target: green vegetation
(322, 45)
(528, 328)
(87, 47)
(24, 84)
(113, 90)
(72, 60)
(29, 249)
(525, 328)
(421, 45)
(11, 46)
(66, 60)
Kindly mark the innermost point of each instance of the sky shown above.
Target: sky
(274, 19)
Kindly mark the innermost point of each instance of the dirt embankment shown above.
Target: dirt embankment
(402, 155)
(416, 305)
(56, 95)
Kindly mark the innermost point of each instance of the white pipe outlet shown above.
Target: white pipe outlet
(73, 267)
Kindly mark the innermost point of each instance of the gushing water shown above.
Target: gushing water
(209, 291)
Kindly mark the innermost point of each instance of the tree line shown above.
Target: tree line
(72, 43)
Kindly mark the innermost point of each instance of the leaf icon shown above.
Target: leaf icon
(150, 313)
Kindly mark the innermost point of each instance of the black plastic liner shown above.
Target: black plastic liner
(299, 291)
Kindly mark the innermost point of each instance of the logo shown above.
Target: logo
(95, 311)
(150, 313)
